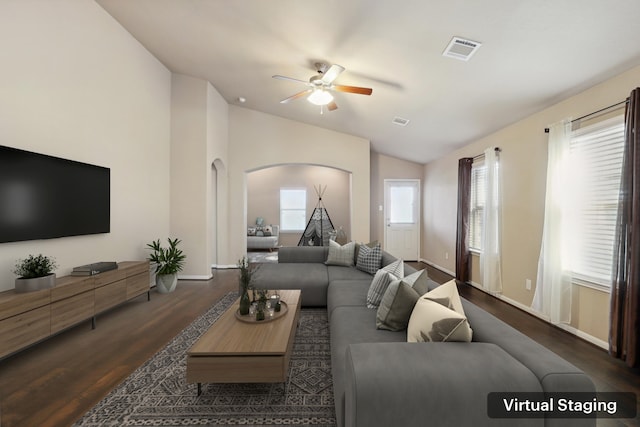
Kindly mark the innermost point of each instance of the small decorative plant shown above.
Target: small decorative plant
(245, 274)
(35, 266)
(168, 260)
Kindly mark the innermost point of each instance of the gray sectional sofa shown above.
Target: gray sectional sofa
(380, 379)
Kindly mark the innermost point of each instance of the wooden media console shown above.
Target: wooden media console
(27, 318)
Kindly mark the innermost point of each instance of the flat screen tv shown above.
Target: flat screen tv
(44, 197)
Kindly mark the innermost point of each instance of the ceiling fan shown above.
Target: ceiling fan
(321, 85)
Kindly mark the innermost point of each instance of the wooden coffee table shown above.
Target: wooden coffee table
(233, 351)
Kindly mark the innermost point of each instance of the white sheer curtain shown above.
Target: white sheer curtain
(552, 297)
(490, 257)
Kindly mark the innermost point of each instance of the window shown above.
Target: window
(293, 209)
(401, 203)
(477, 205)
(595, 163)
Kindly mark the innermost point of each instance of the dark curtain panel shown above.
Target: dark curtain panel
(464, 201)
(625, 291)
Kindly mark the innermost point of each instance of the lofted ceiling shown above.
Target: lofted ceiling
(534, 53)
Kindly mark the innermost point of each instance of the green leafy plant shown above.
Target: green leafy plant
(168, 260)
(35, 266)
(245, 273)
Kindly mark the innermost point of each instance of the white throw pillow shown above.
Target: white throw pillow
(438, 316)
(447, 290)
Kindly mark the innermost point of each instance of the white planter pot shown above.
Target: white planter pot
(166, 283)
(36, 283)
(152, 274)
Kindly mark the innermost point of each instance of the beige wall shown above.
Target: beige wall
(199, 137)
(263, 195)
(258, 140)
(76, 85)
(524, 159)
(385, 167)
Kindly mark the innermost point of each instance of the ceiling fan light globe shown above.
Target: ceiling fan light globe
(320, 97)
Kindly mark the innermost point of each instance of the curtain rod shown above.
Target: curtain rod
(498, 149)
(546, 130)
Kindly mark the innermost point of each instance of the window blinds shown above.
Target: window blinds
(596, 154)
(477, 205)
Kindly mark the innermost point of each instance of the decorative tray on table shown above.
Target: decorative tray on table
(251, 318)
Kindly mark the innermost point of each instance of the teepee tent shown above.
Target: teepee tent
(319, 227)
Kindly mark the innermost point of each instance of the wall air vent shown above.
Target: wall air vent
(461, 49)
(400, 121)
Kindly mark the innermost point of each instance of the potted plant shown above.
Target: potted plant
(35, 272)
(169, 261)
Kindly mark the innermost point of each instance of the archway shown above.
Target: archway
(263, 187)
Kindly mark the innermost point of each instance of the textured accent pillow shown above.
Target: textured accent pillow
(396, 306)
(340, 255)
(357, 251)
(369, 258)
(268, 230)
(251, 231)
(381, 280)
(438, 316)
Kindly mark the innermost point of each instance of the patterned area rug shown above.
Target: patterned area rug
(157, 394)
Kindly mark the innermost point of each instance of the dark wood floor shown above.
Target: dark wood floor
(55, 382)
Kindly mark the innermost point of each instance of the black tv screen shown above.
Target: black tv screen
(44, 197)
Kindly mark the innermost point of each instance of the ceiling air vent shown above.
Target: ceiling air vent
(400, 121)
(461, 49)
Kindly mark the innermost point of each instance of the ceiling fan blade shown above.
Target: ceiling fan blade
(332, 106)
(296, 96)
(279, 77)
(331, 74)
(353, 89)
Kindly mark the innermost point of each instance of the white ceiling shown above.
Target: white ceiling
(534, 53)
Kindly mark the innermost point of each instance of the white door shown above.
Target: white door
(402, 218)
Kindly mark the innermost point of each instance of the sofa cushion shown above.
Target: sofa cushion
(289, 254)
(340, 255)
(396, 306)
(346, 293)
(432, 384)
(311, 278)
(381, 280)
(347, 273)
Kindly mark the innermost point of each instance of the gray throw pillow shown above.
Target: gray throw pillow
(419, 281)
(340, 255)
(396, 306)
(381, 280)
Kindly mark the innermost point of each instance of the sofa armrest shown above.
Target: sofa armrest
(410, 384)
(305, 254)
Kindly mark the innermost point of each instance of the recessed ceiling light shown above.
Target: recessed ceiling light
(242, 99)
(400, 121)
(462, 49)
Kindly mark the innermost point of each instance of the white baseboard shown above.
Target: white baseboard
(444, 270)
(223, 266)
(194, 277)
